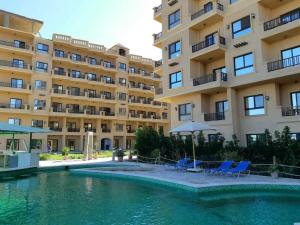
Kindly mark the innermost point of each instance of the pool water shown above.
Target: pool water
(61, 198)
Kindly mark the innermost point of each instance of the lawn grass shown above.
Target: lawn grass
(58, 156)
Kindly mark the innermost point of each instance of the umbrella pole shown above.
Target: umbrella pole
(194, 154)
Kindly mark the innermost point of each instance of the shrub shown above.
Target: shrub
(65, 151)
(147, 140)
(155, 153)
(44, 157)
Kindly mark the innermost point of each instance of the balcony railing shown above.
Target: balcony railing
(203, 11)
(209, 78)
(59, 91)
(106, 130)
(73, 130)
(157, 36)
(59, 72)
(57, 129)
(10, 85)
(287, 18)
(87, 129)
(12, 106)
(58, 110)
(207, 43)
(77, 76)
(214, 116)
(157, 9)
(290, 111)
(283, 63)
(76, 111)
(15, 45)
(82, 59)
(77, 93)
(131, 131)
(13, 64)
(158, 63)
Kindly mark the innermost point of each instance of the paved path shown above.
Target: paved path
(193, 180)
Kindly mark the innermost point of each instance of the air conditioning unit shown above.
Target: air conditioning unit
(172, 2)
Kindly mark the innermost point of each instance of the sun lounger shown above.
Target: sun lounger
(242, 167)
(224, 166)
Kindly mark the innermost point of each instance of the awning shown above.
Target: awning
(6, 128)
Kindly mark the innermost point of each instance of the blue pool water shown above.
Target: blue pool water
(61, 198)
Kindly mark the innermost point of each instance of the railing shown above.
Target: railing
(108, 65)
(157, 9)
(83, 59)
(283, 63)
(203, 11)
(90, 129)
(73, 130)
(159, 91)
(209, 78)
(156, 76)
(207, 43)
(58, 55)
(290, 111)
(287, 18)
(12, 106)
(59, 91)
(58, 72)
(106, 130)
(158, 63)
(157, 36)
(77, 76)
(131, 131)
(214, 116)
(77, 93)
(13, 44)
(58, 110)
(75, 111)
(10, 85)
(13, 64)
(55, 129)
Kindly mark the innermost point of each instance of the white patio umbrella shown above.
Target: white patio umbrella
(192, 127)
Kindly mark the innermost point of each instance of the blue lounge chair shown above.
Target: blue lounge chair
(224, 166)
(240, 168)
(182, 163)
(191, 164)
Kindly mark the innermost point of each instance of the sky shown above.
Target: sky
(105, 22)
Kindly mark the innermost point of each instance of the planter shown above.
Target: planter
(120, 158)
(274, 175)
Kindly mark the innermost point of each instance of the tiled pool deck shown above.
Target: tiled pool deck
(185, 180)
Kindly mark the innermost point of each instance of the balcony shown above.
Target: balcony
(106, 130)
(290, 111)
(211, 49)
(139, 72)
(15, 66)
(73, 130)
(11, 108)
(88, 129)
(214, 116)
(207, 17)
(216, 79)
(142, 88)
(10, 87)
(157, 13)
(284, 64)
(157, 38)
(282, 27)
(20, 48)
(55, 129)
(272, 3)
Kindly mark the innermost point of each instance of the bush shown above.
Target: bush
(147, 140)
(155, 153)
(65, 151)
(44, 157)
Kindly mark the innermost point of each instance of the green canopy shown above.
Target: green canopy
(6, 128)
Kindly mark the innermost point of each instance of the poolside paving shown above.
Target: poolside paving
(189, 179)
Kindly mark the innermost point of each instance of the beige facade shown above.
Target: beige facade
(72, 86)
(238, 64)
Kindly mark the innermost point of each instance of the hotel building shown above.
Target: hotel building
(232, 64)
(72, 87)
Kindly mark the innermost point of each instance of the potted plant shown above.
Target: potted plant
(120, 154)
(274, 170)
(65, 152)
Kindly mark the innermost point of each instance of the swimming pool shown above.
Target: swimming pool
(61, 198)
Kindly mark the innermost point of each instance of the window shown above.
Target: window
(243, 64)
(59, 71)
(39, 104)
(122, 67)
(122, 81)
(122, 96)
(174, 19)
(174, 50)
(76, 57)
(290, 57)
(92, 76)
(93, 61)
(119, 127)
(37, 123)
(208, 7)
(107, 64)
(175, 80)
(41, 66)
(15, 103)
(254, 105)
(42, 48)
(221, 106)
(16, 83)
(122, 111)
(36, 144)
(295, 100)
(232, 1)
(18, 63)
(54, 125)
(59, 53)
(185, 112)
(254, 138)
(241, 27)
(40, 85)
(12, 144)
(295, 136)
(132, 70)
(14, 121)
(75, 74)
(19, 44)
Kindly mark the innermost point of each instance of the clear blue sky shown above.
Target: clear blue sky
(106, 22)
